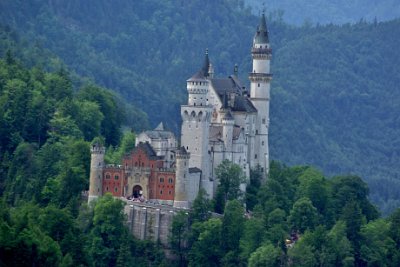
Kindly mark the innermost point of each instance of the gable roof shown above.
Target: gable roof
(148, 150)
(232, 88)
(159, 133)
(225, 85)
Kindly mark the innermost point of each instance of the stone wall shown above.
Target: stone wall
(150, 221)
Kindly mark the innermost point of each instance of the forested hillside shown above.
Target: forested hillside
(297, 217)
(334, 96)
(45, 131)
(327, 11)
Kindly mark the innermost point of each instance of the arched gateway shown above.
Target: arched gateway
(137, 191)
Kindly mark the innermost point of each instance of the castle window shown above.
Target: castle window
(161, 179)
(170, 180)
(116, 177)
(107, 188)
(108, 176)
(116, 189)
(255, 156)
(160, 192)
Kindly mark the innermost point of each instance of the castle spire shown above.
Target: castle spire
(261, 36)
(206, 65)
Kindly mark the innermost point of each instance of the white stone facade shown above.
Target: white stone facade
(222, 120)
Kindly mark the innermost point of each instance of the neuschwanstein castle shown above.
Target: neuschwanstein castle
(222, 120)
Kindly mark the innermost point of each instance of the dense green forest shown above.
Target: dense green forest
(327, 11)
(334, 106)
(296, 218)
(45, 129)
(334, 99)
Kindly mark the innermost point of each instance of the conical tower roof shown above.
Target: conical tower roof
(261, 36)
(160, 127)
(203, 72)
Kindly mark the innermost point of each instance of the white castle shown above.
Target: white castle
(222, 120)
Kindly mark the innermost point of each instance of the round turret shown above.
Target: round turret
(96, 171)
(260, 83)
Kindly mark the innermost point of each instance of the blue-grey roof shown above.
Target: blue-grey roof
(203, 72)
(261, 36)
(225, 87)
(159, 133)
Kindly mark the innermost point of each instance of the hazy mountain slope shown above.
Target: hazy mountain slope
(327, 11)
(336, 90)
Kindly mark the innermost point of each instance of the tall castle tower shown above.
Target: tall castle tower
(96, 171)
(260, 79)
(196, 117)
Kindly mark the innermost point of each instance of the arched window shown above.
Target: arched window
(116, 189)
(116, 177)
(108, 176)
(160, 192)
(161, 179)
(170, 180)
